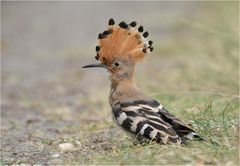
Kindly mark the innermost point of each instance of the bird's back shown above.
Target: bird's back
(148, 119)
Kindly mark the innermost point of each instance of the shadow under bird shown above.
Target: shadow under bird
(120, 48)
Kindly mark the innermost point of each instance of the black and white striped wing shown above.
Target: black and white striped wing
(181, 128)
(142, 120)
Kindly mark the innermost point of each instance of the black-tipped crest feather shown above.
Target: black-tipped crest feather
(123, 25)
(111, 21)
(140, 29)
(133, 24)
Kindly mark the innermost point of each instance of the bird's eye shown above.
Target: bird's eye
(116, 64)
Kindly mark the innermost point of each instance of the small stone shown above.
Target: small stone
(78, 143)
(67, 147)
(55, 155)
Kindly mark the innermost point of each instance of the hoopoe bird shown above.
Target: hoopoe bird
(120, 48)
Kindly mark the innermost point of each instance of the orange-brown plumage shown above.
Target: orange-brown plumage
(123, 40)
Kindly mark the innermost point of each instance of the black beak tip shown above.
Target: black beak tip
(95, 65)
(84, 66)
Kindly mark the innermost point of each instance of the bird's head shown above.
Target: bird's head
(120, 48)
(119, 69)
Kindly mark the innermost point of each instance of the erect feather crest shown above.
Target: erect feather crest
(123, 40)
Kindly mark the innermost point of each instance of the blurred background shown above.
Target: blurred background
(46, 96)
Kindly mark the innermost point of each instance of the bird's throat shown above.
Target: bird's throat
(122, 90)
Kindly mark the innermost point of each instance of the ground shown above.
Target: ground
(48, 100)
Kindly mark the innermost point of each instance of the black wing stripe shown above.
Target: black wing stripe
(117, 110)
(174, 140)
(127, 123)
(151, 103)
(158, 138)
(170, 118)
(180, 127)
(148, 131)
(145, 111)
(158, 120)
(167, 130)
(131, 113)
(139, 126)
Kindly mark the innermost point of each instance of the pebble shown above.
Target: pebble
(67, 147)
(55, 155)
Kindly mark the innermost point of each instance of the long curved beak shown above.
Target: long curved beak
(95, 65)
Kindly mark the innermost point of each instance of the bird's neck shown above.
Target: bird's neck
(121, 90)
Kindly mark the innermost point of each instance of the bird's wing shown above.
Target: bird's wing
(181, 128)
(142, 119)
(148, 118)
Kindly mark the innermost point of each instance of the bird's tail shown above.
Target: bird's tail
(193, 136)
(124, 39)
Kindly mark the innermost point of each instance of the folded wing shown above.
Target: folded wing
(148, 119)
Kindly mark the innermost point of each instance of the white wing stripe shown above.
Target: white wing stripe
(131, 108)
(122, 117)
(136, 120)
(143, 128)
(134, 108)
(154, 109)
(160, 107)
(153, 134)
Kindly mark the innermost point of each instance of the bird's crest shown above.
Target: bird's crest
(123, 40)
